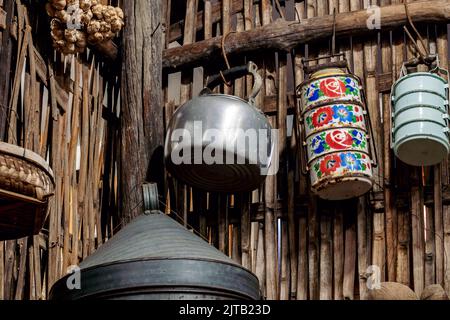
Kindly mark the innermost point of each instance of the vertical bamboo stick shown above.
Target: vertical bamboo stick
(285, 263)
(438, 226)
(245, 232)
(10, 258)
(31, 274)
(417, 232)
(37, 267)
(338, 253)
(363, 237)
(350, 256)
(23, 249)
(313, 248)
(326, 257)
(291, 220)
(269, 238)
(430, 249)
(260, 269)
(302, 279)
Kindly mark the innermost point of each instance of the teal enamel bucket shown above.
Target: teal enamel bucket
(420, 134)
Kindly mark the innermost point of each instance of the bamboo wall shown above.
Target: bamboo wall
(65, 109)
(301, 247)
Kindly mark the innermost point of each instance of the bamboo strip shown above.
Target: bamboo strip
(326, 257)
(338, 253)
(285, 263)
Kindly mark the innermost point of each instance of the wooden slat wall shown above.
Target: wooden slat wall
(301, 247)
(65, 109)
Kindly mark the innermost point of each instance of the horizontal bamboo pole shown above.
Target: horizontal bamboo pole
(285, 35)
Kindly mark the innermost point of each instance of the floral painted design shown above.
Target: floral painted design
(350, 161)
(329, 165)
(358, 139)
(321, 117)
(343, 113)
(318, 144)
(313, 92)
(339, 139)
(335, 115)
(332, 87)
(341, 163)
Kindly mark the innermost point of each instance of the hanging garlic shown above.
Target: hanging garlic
(116, 25)
(59, 4)
(86, 17)
(97, 10)
(93, 26)
(85, 5)
(119, 12)
(96, 38)
(71, 35)
(105, 27)
(98, 23)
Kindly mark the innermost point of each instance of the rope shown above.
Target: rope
(224, 53)
(408, 16)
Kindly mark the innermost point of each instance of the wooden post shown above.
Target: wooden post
(5, 65)
(142, 113)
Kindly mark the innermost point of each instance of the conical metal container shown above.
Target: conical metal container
(154, 257)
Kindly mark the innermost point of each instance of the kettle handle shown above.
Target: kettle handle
(235, 73)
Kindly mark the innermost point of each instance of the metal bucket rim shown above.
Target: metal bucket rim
(397, 144)
(413, 106)
(398, 127)
(421, 73)
(106, 265)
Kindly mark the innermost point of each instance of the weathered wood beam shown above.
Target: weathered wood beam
(285, 35)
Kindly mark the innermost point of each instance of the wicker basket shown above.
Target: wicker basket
(26, 184)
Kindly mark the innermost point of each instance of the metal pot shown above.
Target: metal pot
(334, 129)
(156, 258)
(219, 142)
(420, 134)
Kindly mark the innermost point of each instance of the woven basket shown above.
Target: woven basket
(26, 184)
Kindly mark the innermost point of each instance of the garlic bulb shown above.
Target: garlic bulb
(98, 23)
(59, 4)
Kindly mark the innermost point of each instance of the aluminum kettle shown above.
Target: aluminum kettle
(218, 142)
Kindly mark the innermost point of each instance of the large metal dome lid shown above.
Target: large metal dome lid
(154, 255)
(154, 236)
